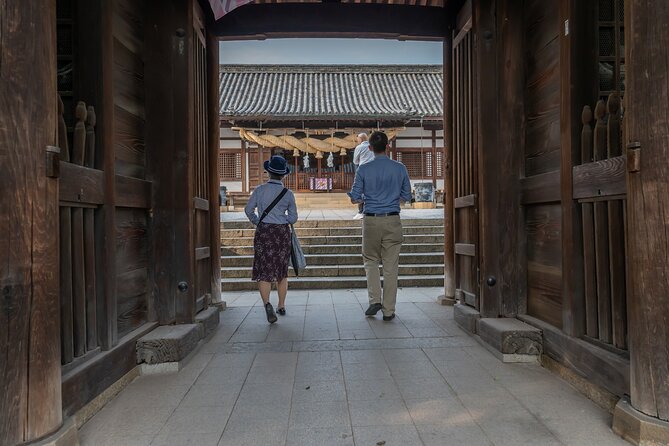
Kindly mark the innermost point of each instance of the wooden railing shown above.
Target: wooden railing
(81, 192)
(599, 185)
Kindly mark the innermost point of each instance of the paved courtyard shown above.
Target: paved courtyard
(326, 375)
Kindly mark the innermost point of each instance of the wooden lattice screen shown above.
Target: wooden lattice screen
(412, 161)
(200, 128)
(611, 47)
(230, 165)
(600, 188)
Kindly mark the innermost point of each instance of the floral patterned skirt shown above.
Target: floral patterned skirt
(271, 255)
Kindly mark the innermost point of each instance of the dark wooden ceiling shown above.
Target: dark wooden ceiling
(388, 19)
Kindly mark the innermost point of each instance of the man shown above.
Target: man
(361, 155)
(381, 184)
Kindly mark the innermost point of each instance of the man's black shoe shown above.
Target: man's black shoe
(389, 318)
(373, 309)
(269, 310)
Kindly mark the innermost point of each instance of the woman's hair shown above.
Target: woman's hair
(274, 176)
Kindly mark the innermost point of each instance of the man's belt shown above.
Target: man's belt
(368, 214)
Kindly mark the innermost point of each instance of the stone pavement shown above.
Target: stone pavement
(326, 375)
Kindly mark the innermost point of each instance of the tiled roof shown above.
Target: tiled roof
(337, 92)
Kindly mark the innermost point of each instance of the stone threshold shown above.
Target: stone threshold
(168, 348)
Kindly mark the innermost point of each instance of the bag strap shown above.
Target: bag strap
(274, 203)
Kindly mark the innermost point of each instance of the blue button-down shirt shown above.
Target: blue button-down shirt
(381, 184)
(285, 211)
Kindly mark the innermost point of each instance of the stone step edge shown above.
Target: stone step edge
(335, 279)
(411, 265)
(312, 224)
(348, 245)
(404, 254)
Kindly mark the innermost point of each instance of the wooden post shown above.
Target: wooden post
(214, 143)
(646, 121)
(449, 198)
(30, 400)
(160, 163)
(434, 158)
(184, 161)
(574, 94)
(511, 282)
(245, 177)
(487, 107)
(297, 173)
(105, 226)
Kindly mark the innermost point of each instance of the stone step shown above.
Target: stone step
(336, 240)
(336, 223)
(343, 231)
(338, 271)
(338, 249)
(317, 283)
(338, 259)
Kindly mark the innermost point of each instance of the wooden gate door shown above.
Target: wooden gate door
(201, 221)
(465, 187)
(599, 185)
(257, 157)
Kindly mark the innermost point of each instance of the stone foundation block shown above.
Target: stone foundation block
(207, 321)
(448, 301)
(168, 343)
(466, 317)
(510, 336)
(637, 427)
(67, 435)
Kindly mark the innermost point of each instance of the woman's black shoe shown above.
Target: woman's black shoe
(269, 310)
(281, 311)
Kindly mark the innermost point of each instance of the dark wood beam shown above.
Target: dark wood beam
(542, 188)
(604, 178)
(284, 20)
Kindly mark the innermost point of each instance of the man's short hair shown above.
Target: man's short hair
(362, 136)
(378, 141)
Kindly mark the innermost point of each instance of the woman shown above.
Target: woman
(276, 211)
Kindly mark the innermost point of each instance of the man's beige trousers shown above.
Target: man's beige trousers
(381, 244)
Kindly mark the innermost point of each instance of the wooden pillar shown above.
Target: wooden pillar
(245, 176)
(646, 121)
(449, 198)
(297, 174)
(511, 282)
(487, 103)
(576, 56)
(101, 90)
(434, 158)
(160, 154)
(214, 143)
(30, 400)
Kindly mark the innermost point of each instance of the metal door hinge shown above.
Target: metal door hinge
(634, 157)
(52, 161)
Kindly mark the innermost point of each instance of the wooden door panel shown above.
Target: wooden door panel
(202, 286)
(466, 219)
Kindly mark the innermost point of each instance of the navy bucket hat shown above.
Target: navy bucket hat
(277, 165)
